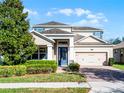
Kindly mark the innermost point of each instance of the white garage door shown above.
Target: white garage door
(96, 59)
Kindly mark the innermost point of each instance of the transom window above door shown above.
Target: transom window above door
(63, 42)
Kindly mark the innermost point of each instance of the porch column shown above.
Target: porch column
(71, 50)
(49, 52)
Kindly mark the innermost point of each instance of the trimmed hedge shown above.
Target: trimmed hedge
(20, 70)
(30, 67)
(37, 69)
(74, 67)
(29, 62)
(41, 66)
(8, 71)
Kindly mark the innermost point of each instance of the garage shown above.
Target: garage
(94, 59)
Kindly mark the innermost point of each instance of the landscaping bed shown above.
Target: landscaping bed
(53, 77)
(45, 90)
(30, 67)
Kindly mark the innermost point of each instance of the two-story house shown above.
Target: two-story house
(65, 44)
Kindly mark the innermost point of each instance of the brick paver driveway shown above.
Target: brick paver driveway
(104, 79)
(103, 73)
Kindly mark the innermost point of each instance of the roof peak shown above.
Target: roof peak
(52, 23)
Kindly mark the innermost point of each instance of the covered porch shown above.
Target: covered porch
(60, 49)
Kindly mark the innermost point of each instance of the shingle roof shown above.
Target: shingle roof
(85, 28)
(55, 31)
(121, 45)
(90, 43)
(53, 23)
(77, 37)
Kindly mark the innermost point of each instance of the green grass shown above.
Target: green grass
(119, 66)
(60, 77)
(35, 90)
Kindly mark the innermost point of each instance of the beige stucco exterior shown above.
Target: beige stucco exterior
(87, 44)
(95, 49)
(40, 41)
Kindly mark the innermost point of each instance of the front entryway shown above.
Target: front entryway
(63, 56)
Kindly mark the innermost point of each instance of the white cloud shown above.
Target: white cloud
(66, 11)
(98, 16)
(49, 14)
(30, 12)
(69, 11)
(87, 22)
(80, 11)
(91, 16)
(87, 17)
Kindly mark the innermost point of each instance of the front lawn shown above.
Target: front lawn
(45, 90)
(54, 77)
(119, 66)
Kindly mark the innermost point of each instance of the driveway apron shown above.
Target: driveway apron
(104, 79)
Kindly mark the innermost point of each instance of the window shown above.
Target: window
(35, 55)
(98, 34)
(43, 53)
(39, 29)
(115, 51)
(122, 52)
(40, 54)
(63, 42)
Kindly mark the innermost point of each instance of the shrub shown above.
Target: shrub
(41, 66)
(40, 62)
(74, 67)
(37, 69)
(8, 71)
(20, 70)
(111, 61)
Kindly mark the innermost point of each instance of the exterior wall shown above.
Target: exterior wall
(90, 39)
(40, 41)
(84, 33)
(119, 55)
(62, 28)
(99, 49)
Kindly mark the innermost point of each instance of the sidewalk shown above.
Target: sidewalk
(107, 87)
(45, 85)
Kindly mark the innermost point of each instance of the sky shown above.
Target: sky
(105, 14)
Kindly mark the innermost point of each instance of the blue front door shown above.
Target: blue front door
(63, 56)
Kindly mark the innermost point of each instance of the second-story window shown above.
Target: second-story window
(39, 29)
(98, 34)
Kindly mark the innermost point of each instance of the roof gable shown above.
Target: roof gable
(90, 40)
(53, 23)
(78, 37)
(39, 35)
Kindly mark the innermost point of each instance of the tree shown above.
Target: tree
(117, 41)
(114, 41)
(16, 43)
(122, 38)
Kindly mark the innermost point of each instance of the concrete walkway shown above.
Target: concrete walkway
(45, 85)
(104, 79)
(107, 87)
